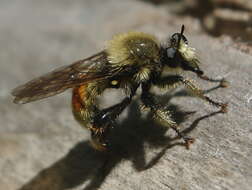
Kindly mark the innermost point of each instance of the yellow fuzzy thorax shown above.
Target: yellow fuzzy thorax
(121, 48)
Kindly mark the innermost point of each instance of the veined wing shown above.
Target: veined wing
(57, 81)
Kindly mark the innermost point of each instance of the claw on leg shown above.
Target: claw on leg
(188, 142)
(224, 108)
(102, 147)
(98, 142)
(224, 83)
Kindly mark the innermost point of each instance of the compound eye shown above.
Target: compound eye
(171, 52)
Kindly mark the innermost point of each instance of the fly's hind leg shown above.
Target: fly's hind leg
(103, 121)
(162, 115)
(99, 122)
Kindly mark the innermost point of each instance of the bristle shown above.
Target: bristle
(164, 117)
(143, 74)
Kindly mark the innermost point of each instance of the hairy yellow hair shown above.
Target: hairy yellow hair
(124, 48)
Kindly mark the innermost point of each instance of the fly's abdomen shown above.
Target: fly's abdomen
(82, 104)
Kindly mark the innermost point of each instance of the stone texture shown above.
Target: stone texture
(224, 17)
(42, 147)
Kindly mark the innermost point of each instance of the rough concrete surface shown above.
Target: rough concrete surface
(43, 147)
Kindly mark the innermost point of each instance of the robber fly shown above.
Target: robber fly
(132, 60)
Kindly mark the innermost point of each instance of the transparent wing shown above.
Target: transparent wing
(57, 81)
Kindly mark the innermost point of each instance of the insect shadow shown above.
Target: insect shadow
(85, 166)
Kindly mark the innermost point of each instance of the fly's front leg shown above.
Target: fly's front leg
(176, 80)
(162, 115)
(199, 93)
(223, 82)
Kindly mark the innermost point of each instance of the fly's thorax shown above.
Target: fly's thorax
(133, 48)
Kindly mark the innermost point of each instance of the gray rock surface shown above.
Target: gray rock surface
(42, 146)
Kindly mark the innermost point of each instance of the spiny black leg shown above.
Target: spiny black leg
(108, 115)
(104, 120)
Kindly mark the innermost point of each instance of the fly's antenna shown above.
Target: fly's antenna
(181, 34)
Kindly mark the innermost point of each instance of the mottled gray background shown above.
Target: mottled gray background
(43, 148)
